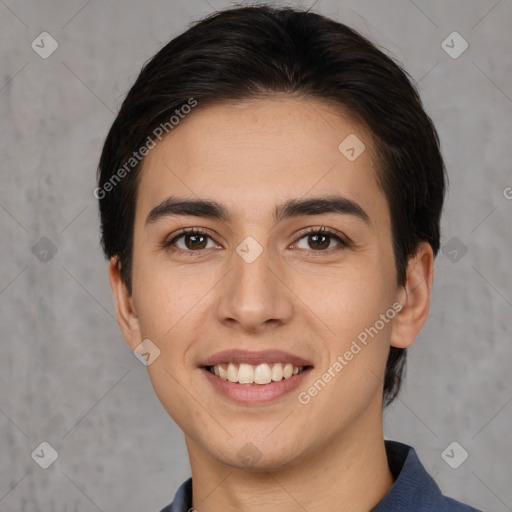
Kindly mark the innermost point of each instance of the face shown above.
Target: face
(263, 284)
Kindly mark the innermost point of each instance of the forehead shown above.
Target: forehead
(253, 154)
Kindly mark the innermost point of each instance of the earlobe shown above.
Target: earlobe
(125, 312)
(414, 297)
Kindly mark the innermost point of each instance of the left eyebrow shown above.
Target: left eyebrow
(320, 205)
(173, 206)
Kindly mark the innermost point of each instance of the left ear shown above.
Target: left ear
(125, 311)
(414, 296)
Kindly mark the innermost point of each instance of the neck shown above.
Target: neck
(350, 472)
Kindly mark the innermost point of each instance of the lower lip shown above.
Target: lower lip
(253, 394)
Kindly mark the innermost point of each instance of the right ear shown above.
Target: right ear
(125, 311)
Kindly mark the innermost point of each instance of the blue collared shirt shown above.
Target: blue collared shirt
(414, 489)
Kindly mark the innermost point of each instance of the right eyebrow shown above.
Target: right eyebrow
(198, 208)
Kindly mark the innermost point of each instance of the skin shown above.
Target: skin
(250, 156)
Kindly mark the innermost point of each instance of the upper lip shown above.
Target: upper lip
(254, 358)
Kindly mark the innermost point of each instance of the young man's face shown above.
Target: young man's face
(307, 296)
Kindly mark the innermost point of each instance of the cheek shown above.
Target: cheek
(346, 298)
(173, 305)
(160, 299)
(157, 280)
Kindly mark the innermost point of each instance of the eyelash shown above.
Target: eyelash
(344, 242)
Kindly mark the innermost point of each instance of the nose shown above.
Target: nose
(254, 296)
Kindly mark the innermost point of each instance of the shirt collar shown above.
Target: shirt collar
(413, 485)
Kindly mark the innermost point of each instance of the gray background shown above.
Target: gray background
(66, 375)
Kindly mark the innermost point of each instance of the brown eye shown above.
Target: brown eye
(319, 240)
(194, 241)
(188, 241)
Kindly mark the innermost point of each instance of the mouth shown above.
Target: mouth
(260, 375)
(252, 378)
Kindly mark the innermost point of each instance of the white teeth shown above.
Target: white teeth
(277, 372)
(261, 374)
(223, 373)
(245, 374)
(232, 373)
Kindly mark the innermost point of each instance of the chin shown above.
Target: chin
(258, 455)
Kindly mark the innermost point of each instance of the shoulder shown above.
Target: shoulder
(414, 486)
(182, 501)
(452, 505)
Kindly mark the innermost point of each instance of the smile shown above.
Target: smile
(260, 374)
